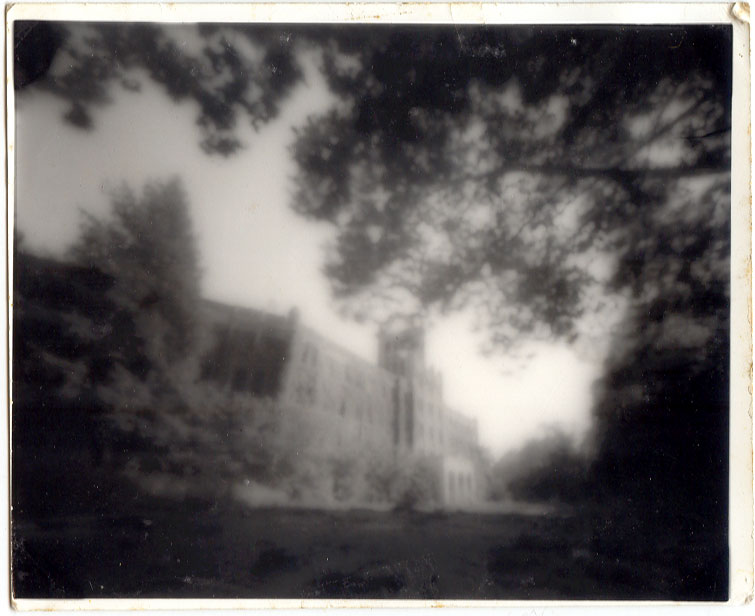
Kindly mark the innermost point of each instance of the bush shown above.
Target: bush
(417, 485)
(547, 468)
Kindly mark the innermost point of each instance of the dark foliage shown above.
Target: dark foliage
(57, 435)
(102, 56)
(35, 45)
(85, 341)
(147, 247)
(547, 468)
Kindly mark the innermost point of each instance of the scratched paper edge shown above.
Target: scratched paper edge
(741, 450)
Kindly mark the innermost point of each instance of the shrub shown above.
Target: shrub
(416, 485)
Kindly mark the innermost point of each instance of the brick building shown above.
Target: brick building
(395, 407)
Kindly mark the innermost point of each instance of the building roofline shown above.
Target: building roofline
(297, 325)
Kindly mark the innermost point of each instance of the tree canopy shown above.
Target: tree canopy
(147, 245)
(510, 169)
(493, 169)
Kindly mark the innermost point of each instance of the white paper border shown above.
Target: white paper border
(741, 442)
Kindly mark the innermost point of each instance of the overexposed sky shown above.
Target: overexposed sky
(255, 251)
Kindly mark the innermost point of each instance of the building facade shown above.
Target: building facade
(395, 407)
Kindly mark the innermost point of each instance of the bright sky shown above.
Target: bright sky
(255, 251)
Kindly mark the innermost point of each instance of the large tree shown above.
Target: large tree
(494, 168)
(147, 246)
(460, 165)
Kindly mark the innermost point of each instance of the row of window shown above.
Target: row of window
(307, 393)
(349, 373)
(429, 436)
(351, 392)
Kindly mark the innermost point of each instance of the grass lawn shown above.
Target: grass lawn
(287, 553)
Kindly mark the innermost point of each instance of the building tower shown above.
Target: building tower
(401, 347)
(401, 352)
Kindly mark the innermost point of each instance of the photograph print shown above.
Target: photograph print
(370, 311)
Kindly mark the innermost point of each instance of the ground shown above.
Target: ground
(228, 552)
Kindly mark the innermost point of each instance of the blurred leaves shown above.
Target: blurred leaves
(225, 71)
(495, 168)
(147, 246)
(465, 165)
